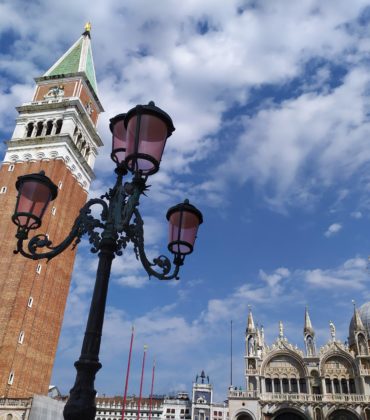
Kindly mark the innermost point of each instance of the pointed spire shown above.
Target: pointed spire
(332, 330)
(281, 330)
(308, 328)
(78, 59)
(259, 341)
(262, 336)
(250, 324)
(357, 321)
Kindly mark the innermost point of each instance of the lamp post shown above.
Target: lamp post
(139, 137)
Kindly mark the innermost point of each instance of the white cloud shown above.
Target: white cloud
(333, 229)
(273, 279)
(352, 275)
(356, 215)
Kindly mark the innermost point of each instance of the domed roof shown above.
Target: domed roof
(364, 312)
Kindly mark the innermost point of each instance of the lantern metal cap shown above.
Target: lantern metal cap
(185, 206)
(39, 177)
(152, 109)
(115, 119)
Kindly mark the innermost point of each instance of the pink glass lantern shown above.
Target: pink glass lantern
(184, 220)
(148, 128)
(35, 191)
(118, 129)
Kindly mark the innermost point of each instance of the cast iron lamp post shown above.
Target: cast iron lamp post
(139, 138)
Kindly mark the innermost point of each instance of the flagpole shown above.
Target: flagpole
(151, 392)
(127, 374)
(231, 353)
(141, 383)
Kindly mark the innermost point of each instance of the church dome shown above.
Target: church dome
(364, 312)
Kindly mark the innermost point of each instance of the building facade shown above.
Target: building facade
(178, 407)
(54, 132)
(285, 382)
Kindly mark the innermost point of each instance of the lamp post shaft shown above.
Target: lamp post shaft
(81, 403)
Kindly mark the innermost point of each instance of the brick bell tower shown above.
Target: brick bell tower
(55, 132)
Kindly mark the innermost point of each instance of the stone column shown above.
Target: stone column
(263, 385)
(34, 131)
(323, 386)
(54, 128)
(44, 125)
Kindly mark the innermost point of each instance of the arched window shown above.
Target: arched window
(318, 415)
(294, 385)
(352, 386)
(59, 126)
(11, 378)
(336, 386)
(87, 152)
(9, 417)
(40, 126)
(285, 385)
(277, 385)
(344, 386)
(268, 385)
(30, 127)
(362, 347)
(303, 386)
(83, 145)
(49, 127)
(78, 141)
(328, 386)
(21, 337)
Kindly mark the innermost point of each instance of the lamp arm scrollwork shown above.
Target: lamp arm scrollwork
(84, 223)
(136, 235)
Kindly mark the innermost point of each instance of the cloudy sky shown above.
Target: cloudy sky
(270, 100)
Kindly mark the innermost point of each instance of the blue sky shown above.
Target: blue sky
(270, 101)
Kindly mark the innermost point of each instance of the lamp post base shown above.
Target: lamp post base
(81, 403)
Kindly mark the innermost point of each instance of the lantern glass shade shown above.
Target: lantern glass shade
(184, 220)
(145, 154)
(118, 129)
(148, 128)
(34, 194)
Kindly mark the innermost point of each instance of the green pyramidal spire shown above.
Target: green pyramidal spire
(76, 60)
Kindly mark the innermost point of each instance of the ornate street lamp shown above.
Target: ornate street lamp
(138, 140)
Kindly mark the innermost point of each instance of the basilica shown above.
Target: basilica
(285, 382)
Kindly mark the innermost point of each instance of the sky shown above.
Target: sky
(271, 104)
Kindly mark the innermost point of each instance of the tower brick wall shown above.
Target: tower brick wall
(31, 361)
(56, 133)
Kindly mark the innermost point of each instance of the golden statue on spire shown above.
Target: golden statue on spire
(87, 26)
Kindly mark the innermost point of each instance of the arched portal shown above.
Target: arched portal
(244, 416)
(342, 415)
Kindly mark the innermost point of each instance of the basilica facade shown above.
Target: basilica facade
(284, 382)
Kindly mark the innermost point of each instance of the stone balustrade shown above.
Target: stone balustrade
(15, 402)
(311, 398)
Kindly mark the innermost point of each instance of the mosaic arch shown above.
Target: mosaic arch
(289, 414)
(343, 415)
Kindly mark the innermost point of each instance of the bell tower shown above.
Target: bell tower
(55, 132)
